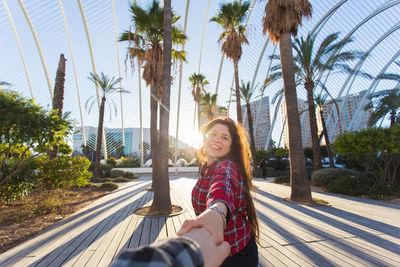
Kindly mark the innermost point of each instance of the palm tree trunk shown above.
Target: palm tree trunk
(392, 117)
(198, 115)
(328, 144)
(58, 98)
(299, 183)
(238, 106)
(251, 132)
(162, 201)
(313, 126)
(154, 135)
(97, 169)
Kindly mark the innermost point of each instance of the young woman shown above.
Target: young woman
(221, 197)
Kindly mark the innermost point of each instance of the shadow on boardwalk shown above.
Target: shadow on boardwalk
(350, 232)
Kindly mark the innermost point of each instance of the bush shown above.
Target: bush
(108, 186)
(120, 180)
(117, 173)
(353, 185)
(106, 169)
(282, 179)
(130, 175)
(324, 176)
(100, 180)
(112, 161)
(343, 181)
(20, 184)
(129, 162)
(62, 172)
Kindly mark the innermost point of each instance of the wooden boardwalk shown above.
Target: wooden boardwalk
(349, 232)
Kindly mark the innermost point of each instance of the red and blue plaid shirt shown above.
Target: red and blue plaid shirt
(222, 181)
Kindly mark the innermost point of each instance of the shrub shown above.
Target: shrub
(352, 185)
(117, 173)
(112, 161)
(106, 169)
(343, 181)
(120, 180)
(324, 176)
(100, 180)
(63, 172)
(108, 186)
(282, 179)
(129, 162)
(21, 183)
(130, 175)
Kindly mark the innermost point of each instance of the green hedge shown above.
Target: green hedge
(343, 181)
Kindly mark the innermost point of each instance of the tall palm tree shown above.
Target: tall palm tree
(146, 45)
(58, 98)
(162, 201)
(198, 82)
(108, 86)
(321, 103)
(231, 17)
(313, 61)
(281, 20)
(246, 94)
(388, 103)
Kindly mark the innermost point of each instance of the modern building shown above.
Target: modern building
(260, 112)
(114, 141)
(304, 122)
(347, 108)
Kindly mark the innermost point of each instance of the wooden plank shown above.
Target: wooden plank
(171, 231)
(154, 230)
(145, 236)
(162, 228)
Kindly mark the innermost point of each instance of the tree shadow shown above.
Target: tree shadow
(75, 221)
(353, 231)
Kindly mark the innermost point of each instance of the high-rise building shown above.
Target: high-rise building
(304, 123)
(347, 108)
(260, 112)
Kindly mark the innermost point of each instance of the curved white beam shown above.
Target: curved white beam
(119, 73)
(39, 48)
(19, 48)
(93, 66)
(180, 85)
(74, 68)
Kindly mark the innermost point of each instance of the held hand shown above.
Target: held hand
(213, 254)
(211, 220)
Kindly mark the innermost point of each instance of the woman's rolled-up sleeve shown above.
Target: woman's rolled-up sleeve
(223, 185)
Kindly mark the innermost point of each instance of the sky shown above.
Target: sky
(203, 53)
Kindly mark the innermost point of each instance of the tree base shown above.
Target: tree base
(145, 211)
(314, 202)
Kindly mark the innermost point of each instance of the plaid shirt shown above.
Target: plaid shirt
(222, 181)
(177, 252)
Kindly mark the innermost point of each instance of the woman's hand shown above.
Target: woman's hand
(211, 220)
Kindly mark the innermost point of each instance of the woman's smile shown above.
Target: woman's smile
(218, 142)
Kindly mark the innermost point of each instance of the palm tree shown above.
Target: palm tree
(208, 105)
(246, 94)
(321, 101)
(313, 61)
(162, 201)
(388, 102)
(281, 20)
(230, 17)
(146, 45)
(107, 86)
(198, 82)
(58, 98)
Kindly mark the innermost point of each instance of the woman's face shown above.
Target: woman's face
(217, 142)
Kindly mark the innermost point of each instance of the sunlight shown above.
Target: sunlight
(191, 137)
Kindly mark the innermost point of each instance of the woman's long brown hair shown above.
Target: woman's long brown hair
(239, 153)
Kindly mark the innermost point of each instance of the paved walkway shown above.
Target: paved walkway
(349, 232)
